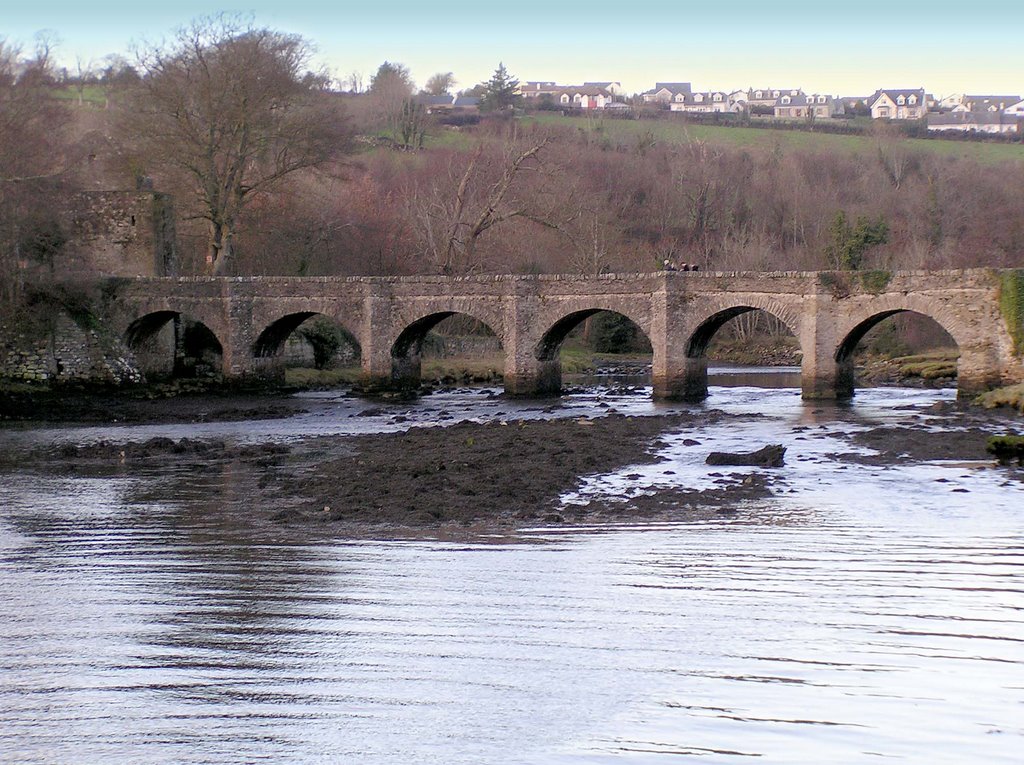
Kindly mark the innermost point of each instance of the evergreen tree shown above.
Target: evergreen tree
(501, 92)
(848, 244)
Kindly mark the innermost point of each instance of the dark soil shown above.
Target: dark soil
(504, 473)
(961, 433)
(144, 404)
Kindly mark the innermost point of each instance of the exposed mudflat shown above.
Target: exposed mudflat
(501, 472)
(141, 405)
(498, 474)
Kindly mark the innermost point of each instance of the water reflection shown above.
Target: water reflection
(156, 617)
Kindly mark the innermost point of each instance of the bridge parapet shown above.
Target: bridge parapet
(679, 311)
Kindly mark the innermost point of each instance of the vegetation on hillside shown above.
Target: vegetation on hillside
(275, 172)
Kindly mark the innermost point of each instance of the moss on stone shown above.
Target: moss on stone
(836, 282)
(1006, 449)
(1011, 304)
(875, 281)
(1011, 396)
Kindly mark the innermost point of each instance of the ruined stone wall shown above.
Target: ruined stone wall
(64, 352)
(121, 233)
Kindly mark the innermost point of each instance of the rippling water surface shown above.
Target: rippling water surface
(863, 613)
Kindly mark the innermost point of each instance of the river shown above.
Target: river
(861, 613)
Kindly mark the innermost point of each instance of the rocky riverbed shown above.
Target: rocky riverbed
(498, 473)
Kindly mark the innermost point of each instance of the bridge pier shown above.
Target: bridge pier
(687, 381)
(978, 370)
(532, 377)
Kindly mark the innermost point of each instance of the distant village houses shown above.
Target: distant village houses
(666, 92)
(589, 95)
(448, 104)
(815, 106)
(1000, 115)
(705, 103)
(899, 104)
(992, 114)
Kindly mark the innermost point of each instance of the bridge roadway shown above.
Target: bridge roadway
(680, 312)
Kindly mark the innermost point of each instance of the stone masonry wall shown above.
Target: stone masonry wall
(122, 233)
(65, 353)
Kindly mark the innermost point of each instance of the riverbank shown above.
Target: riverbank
(503, 473)
(181, 401)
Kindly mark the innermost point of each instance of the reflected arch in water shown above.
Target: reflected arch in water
(411, 345)
(170, 343)
(323, 341)
(778, 317)
(845, 353)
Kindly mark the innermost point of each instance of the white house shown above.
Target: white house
(974, 122)
(664, 92)
(615, 88)
(991, 104)
(899, 104)
(814, 106)
(950, 102)
(1015, 110)
(584, 97)
(768, 96)
(704, 103)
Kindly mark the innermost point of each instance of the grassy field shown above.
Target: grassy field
(94, 95)
(679, 131)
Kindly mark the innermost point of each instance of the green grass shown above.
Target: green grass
(678, 131)
(321, 378)
(1011, 397)
(95, 95)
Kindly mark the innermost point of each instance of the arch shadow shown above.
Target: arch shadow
(170, 344)
(695, 364)
(845, 384)
(271, 341)
(546, 351)
(408, 348)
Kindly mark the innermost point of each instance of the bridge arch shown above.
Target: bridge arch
(268, 350)
(407, 348)
(170, 343)
(710, 321)
(861, 322)
(545, 350)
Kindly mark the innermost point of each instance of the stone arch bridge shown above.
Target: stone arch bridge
(680, 312)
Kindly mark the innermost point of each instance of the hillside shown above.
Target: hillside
(678, 131)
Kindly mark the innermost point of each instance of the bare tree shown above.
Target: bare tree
(893, 155)
(390, 88)
(32, 161)
(440, 84)
(233, 108)
(353, 82)
(452, 221)
(85, 72)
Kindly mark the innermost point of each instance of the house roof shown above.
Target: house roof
(466, 101)
(981, 103)
(707, 97)
(800, 100)
(585, 90)
(672, 87)
(894, 94)
(767, 92)
(972, 118)
(429, 100)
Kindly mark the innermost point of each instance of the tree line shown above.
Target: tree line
(275, 171)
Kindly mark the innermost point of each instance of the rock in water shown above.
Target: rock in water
(772, 455)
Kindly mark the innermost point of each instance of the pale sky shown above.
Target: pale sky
(945, 47)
